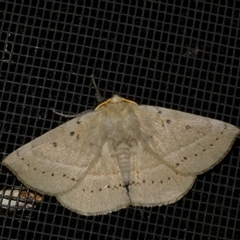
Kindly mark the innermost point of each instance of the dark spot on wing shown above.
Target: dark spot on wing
(52, 174)
(184, 158)
(54, 144)
(22, 158)
(168, 121)
(78, 122)
(71, 133)
(188, 127)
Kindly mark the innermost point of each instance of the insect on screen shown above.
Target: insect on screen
(145, 163)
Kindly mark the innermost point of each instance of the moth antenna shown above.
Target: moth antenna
(98, 95)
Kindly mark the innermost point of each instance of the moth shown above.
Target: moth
(122, 154)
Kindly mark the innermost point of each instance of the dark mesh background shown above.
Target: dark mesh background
(182, 55)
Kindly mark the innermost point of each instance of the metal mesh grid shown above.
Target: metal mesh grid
(182, 55)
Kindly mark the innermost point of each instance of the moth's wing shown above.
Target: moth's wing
(153, 183)
(59, 159)
(101, 191)
(187, 143)
(173, 147)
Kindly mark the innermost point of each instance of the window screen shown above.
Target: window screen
(182, 55)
